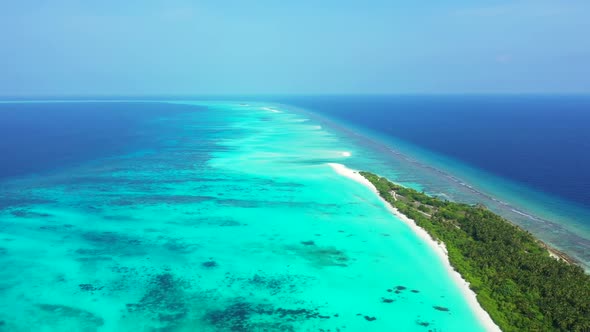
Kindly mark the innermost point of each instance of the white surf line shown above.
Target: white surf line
(271, 110)
(438, 247)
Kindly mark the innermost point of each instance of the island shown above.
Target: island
(521, 285)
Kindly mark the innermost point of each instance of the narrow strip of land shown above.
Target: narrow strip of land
(516, 280)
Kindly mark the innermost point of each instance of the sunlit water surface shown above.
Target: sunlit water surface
(219, 217)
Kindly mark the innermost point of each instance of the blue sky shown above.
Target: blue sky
(271, 47)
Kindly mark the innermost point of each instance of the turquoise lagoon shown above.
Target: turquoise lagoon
(232, 221)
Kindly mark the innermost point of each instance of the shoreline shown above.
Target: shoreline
(499, 204)
(438, 247)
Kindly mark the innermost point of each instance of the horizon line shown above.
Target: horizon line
(216, 95)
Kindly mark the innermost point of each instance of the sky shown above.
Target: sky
(146, 47)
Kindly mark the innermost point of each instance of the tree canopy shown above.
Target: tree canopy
(516, 281)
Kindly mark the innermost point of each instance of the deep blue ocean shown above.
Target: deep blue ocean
(41, 137)
(542, 142)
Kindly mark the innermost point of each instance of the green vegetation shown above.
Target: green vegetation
(512, 273)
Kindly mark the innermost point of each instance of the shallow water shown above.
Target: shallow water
(230, 220)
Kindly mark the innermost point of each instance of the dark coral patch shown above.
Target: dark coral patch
(385, 300)
(245, 316)
(415, 291)
(28, 214)
(236, 317)
(273, 284)
(209, 264)
(321, 256)
(308, 243)
(439, 308)
(370, 319)
(110, 238)
(165, 302)
(229, 223)
(89, 287)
